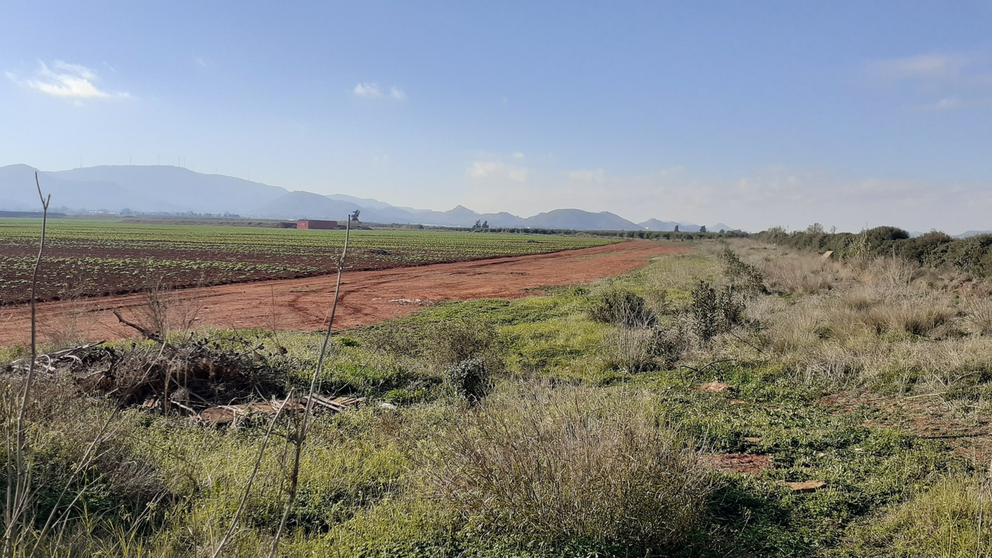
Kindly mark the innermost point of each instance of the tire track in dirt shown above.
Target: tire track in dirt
(367, 297)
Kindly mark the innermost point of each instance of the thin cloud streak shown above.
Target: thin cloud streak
(940, 82)
(925, 66)
(368, 90)
(496, 169)
(72, 81)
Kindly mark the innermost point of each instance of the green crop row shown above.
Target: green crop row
(98, 257)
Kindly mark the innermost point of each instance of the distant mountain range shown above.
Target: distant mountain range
(168, 189)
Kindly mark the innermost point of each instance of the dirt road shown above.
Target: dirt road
(367, 297)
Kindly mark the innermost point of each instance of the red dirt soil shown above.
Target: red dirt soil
(367, 297)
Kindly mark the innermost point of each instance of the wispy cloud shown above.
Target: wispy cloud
(373, 91)
(367, 90)
(200, 61)
(72, 81)
(926, 66)
(497, 169)
(596, 176)
(939, 82)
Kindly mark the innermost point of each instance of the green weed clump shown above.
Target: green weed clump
(715, 311)
(85, 469)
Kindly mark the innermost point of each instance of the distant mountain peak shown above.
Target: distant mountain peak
(172, 189)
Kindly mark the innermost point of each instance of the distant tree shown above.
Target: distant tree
(676, 228)
(702, 229)
(354, 215)
(485, 224)
(477, 225)
(722, 231)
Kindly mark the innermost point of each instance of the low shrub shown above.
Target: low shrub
(743, 276)
(454, 340)
(622, 308)
(628, 349)
(555, 466)
(715, 311)
(470, 379)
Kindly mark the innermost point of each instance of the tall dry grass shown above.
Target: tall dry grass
(552, 465)
(883, 323)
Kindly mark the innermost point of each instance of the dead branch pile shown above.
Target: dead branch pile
(193, 376)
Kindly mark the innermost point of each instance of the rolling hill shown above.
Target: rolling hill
(168, 189)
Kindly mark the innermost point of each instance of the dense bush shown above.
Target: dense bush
(470, 379)
(742, 275)
(715, 311)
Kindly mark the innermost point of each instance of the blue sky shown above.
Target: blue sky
(755, 114)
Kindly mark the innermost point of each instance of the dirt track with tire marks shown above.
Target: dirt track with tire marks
(367, 297)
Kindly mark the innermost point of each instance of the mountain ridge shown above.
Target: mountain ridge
(171, 189)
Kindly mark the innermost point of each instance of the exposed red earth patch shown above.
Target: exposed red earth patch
(742, 462)
(367, 297)
(714, 387)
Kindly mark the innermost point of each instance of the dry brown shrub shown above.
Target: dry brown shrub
(564, 464)
(917, 316)
(891, 272)
(979, 315)
(65, 327)
(628, 349)
(798, 273)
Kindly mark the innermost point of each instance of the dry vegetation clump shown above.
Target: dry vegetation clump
(979, 315)
(628, 349)
(83, 464)
(879, 323)
(953, 519)
(553, 465)
(792, 273)
(64, 329)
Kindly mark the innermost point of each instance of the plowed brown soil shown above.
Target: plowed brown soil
(367, 297)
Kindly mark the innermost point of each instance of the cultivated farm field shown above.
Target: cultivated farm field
(86, 258)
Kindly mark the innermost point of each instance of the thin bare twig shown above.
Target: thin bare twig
(302, 433)
(142, 330)
(251, 480)
(17, 501)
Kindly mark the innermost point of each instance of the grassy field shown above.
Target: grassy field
(88, 257)
(663, 413)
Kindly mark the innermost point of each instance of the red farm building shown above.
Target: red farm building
(316, 224)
